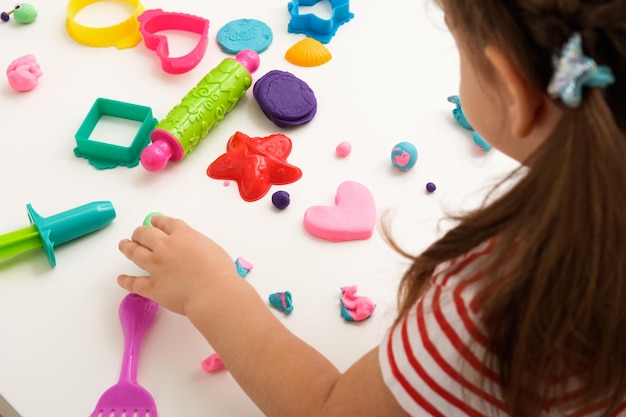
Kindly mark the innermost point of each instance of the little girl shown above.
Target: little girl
(519, 310)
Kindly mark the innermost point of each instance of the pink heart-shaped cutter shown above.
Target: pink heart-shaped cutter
(352, 218)
(156, 20)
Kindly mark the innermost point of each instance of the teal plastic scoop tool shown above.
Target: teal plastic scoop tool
(48, 232)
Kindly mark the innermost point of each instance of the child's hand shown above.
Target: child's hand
(181, 263)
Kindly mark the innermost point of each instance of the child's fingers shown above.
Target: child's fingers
(141, 285)
(147, 236)
(167, 224)
(137, 253)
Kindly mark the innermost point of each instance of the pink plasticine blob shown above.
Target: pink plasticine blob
(352, 218)
(213, 363)
(402, 158)
(358, 306)
(343, 149)
(244, 263)
(23, 73)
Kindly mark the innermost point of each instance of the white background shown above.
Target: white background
(392, 69)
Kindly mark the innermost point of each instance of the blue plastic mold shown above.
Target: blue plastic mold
(314, 26)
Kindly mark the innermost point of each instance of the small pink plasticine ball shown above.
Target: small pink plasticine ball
(343, 149)
(23, 73)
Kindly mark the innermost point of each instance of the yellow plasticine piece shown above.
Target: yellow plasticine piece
(308, 52)
(122, 35)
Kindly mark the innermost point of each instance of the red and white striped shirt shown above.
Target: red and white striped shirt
(432, 360)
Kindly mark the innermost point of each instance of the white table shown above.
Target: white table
(391, 72)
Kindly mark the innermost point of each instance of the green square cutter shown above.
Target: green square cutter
(48, 232)
(104, 155)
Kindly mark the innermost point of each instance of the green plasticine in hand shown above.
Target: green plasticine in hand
(48, 232)
(200, 111)
(147, 221)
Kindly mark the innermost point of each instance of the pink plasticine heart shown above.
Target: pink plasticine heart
(156, 20)
(352, 218)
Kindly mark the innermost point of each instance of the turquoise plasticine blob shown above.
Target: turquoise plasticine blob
(404, 156)
(346, 314)
(243, 267)
(282, 301)
(241, 34)
(460, 118)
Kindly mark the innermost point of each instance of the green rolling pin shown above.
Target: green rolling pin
(200, 111)
(48, 232)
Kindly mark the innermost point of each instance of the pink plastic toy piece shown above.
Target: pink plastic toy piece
(156, 20)
(213, 363)
(355, 307)
(352, 218)
(23, 73)
(137, 315)
(249, 59)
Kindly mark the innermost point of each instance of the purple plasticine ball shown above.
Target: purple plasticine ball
(281, 199)
(431, 187)
(4, 16)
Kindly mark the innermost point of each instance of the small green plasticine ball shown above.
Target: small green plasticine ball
(148, 220)
(24, 13)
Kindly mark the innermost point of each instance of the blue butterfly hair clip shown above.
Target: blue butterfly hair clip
(573, 71)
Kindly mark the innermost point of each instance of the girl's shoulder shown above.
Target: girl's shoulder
(472, 266)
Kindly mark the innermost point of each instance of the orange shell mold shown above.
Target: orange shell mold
(308, 52)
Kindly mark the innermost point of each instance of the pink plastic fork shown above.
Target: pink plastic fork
(127, 398)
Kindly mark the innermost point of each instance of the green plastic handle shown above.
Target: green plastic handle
(19, 241)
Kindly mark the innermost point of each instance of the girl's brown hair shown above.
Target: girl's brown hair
(560, 314)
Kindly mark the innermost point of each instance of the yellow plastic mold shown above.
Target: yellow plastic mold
(122, 35)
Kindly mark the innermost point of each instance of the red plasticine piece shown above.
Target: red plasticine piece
(156, 20)
(255, 164)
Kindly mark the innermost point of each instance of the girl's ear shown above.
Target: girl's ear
(525, 103)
